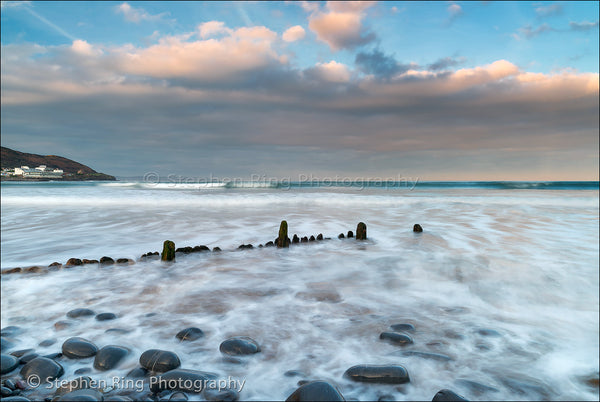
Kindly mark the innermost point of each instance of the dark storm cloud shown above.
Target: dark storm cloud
(445, 63)
(379, 64)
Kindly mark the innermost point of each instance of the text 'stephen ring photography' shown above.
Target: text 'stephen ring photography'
(308, 200)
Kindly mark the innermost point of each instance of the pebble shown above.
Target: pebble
(448, 395)
(190, 334)
(211, 394)
(80, 312)
(109, 357)
(8, 363)
(105, 316)
(425, 355)
(182, 380)
(316, 391)
(241, 345)
(43, 368)
(403, 327)
(82, 395)
(159, 361)
(386, 374)
(396, 338)
(78, 348)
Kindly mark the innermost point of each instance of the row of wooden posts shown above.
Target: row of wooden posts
(283, 241)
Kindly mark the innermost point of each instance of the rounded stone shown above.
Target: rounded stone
(106, 261)
(28, 357)
(43, 368)
(73, 261)
(190, 334)
(386, 374)
(105, 316)
(8, 363)
(403, 327)
(109, 357)
(226, 395)
(241, 345)
(316, 391)
(159, 361)
(448, 395)
(78, 348)
(182, 380)
(396, 338)
(80, 312)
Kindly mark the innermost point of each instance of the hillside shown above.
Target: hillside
(72, 170)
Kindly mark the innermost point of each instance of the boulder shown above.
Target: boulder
(78, 348)
(241, 345)
(55, 264)
(43, 368)
(109, 357)
(11, 271)
(168, 253)
(159, 361)
(125, 261)
(200, 249)
(386, 374)
(316, 391)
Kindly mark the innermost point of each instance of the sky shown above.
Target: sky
(430, 90)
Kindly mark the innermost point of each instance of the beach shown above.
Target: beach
(501, 289)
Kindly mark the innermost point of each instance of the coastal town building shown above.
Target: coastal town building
(39, 172)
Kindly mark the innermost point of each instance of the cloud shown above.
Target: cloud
(341, 26)
(14, 4)
(380, 65)
(137, 15)
(583, 26)
(529, 32)
(293, 34)
(454, 11)
(445, 63)
(547, 11)
(212, 28)
(235, 104)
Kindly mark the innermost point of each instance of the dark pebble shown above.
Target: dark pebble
(239, 346)
(159, 361)
(109, 357)
(80, 312)
(403, 327)
(47, 342)
(190, 334)
(295, 239)
(178, 396)
(316, 391)
(8, 363)
(73, 385)
(83, 370)
(54, 356)
(388, 374)
(27, 358)
(10, 384)
(211, 394)
(43, 368)
(125, 261)
(396, 338)
(488, 332)
(78, 348)
(138, 372)
(201, 248)
(82, 395)
(417, 228)
(11, 330)
(120, 331)
(294, 373)
(448, 395)
(86, 261)
(320, 236)
(181, 380)
(22, 352)
(55, 264)
(5, 391)
(106, 316)
(16, 398)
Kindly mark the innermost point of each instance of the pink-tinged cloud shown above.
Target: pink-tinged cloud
(332, 72)
(212, 28)
(293, 34)
(137, 14)
(341, 26)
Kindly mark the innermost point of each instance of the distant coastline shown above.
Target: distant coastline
(69, 170)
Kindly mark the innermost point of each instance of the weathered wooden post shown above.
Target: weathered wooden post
(282, 240)
(361, 231)
(168, 253)
(417, 228)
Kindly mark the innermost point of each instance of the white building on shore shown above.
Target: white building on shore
(39, 172)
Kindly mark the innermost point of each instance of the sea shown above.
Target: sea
(502, 285)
